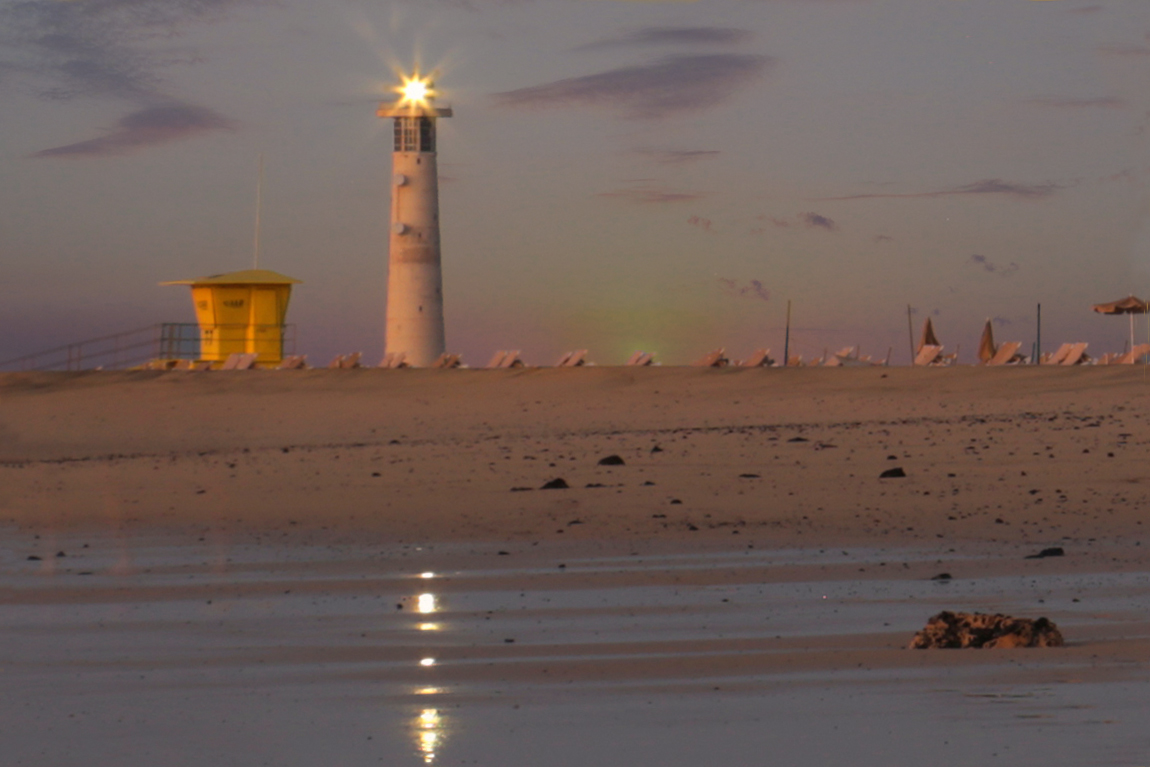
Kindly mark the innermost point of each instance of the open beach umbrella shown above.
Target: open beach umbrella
(1129, 305)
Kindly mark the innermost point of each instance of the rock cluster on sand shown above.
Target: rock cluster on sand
(958, 630)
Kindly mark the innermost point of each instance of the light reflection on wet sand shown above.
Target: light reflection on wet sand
(634, 665)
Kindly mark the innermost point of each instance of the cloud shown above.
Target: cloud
(810, 220)
(144, 128)
(110, 49)
(99, 48)
(986, 186)
(677, 156)
(816, 221)
(883, 238)
(1102, 102)
(989, 266)
(649, 194)
(673, 85)
(674, 36)
(703, 223)
(752, 289)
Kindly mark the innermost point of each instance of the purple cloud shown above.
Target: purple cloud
(810, 220)
(674, 36)
(879, 238)
(815, 221)
(144, 128)
(986, 186)
(101, 48)
(670, 86)
(989, 266)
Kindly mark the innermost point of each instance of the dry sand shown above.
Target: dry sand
(236, 546)
(786, 457)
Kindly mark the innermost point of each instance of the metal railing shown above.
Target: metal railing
(167, 340)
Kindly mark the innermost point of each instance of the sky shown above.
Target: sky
(618, 174)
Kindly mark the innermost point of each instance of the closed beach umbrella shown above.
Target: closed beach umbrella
(986, 347)
(1129, 305)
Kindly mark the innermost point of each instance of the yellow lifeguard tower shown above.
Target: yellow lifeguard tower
(241, 313)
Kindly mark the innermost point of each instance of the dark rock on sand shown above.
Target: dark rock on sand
(556, 484)
(612, 460)
(890, 473)
(942, 577)
(980, 630)
(1054, 551)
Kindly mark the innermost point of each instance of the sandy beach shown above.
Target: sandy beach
(363, 565)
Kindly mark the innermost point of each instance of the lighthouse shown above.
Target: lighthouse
(414, 276)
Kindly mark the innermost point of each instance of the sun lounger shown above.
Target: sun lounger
(572, 359)
(1005, 354)
(346, 361)
(761, 358)
(715, 359)
(1076, 355)
(1130, 357)
(293, 362)
(448, 361)
(927, 355)
(641, 359)
(239, 362)
(394, 360)
(796, 361)
(511, 360)
(1058, 356)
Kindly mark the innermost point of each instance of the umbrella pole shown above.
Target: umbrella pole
(1131, 332)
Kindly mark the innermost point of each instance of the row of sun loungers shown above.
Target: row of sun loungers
(928, 354)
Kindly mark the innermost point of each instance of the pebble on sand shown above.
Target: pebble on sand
(1053, 551)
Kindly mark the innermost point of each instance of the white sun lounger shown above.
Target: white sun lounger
(927, 355)
(1005, 353)
(641, 359)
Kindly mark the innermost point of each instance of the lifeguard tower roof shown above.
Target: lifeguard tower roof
(244, 277)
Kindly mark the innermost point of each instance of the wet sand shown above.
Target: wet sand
(242, 561)
(148, 651)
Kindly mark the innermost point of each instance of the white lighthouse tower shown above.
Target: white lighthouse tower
(414, 276)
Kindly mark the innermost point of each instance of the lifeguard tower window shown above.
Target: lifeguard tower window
(414, 134)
